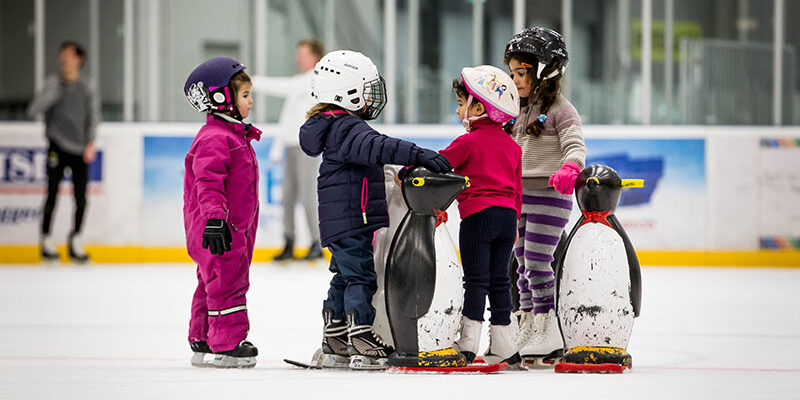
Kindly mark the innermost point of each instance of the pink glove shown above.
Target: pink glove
(564, 179)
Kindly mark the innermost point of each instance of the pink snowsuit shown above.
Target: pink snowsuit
(221, 181)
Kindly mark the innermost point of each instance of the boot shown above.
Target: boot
(76, 250)
(334, 342)
(314, 252)
(288, 251)
(470, 338)
(241, 356)
(545, 344)
(366, 348)
(501, 346)
(199, 351)
(48, 249)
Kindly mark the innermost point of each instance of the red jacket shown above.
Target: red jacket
(493, 162)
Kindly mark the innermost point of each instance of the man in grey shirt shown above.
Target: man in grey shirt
(71, 113)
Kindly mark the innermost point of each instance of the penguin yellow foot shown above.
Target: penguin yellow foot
(445, 358)
(595, 359)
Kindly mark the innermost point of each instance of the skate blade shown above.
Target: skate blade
(531, 362)
(542, 361)
(301, 364)
(211, 360)
(366, 363)
(335, 361)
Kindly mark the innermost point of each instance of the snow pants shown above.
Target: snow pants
(219, 306)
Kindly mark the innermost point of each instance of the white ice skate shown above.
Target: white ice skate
(76, 251)
(502, 347)
(544, 345)
(48, 249)
(470, 338)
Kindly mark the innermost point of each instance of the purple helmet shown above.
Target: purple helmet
(208, 87)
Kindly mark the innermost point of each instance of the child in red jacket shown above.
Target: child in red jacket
(489, 208)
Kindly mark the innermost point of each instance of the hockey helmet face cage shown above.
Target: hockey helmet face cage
(208, 87)
(495, 89)
(351, 81)
(546, 45)
(375, 98)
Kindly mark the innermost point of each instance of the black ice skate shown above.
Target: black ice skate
(334, 343)
(201, 350)
(367, 350)
(288, 252)
(314, 252)
(242, 356)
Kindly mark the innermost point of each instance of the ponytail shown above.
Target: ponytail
(545, 94)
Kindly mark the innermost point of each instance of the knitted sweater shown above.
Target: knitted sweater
(560, 141)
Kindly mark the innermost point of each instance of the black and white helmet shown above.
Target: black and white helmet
(546, 45)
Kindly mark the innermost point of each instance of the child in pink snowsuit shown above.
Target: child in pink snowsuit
(220, 212)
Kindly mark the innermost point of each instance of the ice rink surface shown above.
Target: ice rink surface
(119, 332)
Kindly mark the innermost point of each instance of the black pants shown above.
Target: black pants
(57, 160)
(486, 239)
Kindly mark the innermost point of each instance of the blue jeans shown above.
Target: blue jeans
(354, 281)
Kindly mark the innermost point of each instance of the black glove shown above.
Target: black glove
(433, 161)
(217, 237)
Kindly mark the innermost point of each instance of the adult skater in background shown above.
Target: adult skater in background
(71, 113)
(220, 213)
(548, 130)
(489, 207)
(352, 199)
(300, 171)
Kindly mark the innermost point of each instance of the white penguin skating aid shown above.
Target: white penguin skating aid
(599, 281)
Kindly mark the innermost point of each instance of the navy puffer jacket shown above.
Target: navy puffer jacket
(350, 178)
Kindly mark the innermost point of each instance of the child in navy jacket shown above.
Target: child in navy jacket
(352, 200)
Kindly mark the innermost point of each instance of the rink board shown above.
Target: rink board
(716, 194)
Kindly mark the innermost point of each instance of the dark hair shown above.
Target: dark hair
(236, 82)
(315, 45)
(460, 89)
(239, 79)
(544, 92)
(79, 50)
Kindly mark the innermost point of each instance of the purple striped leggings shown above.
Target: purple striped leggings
(545, 213)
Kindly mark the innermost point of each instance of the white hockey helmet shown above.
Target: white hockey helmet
(495, 89)
(350, 80)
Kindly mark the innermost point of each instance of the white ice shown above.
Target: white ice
(119, 332)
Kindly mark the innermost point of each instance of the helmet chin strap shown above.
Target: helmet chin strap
(555, 72)
(227, 117)
(467, 121)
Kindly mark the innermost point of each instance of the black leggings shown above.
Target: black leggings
(486, 239)
(57, 160)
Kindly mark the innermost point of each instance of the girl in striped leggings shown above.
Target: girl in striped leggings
(548, 130)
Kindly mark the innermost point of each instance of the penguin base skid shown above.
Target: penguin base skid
(445, 361)
(595, 360)
(468, 369)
